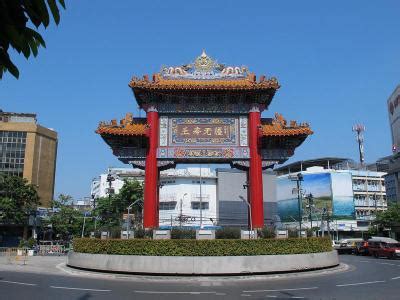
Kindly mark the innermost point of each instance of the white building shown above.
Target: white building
(369, 193)
(182, 193)
(99, 187)
(351, 197)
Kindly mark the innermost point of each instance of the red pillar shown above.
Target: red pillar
(255, 172)
(150, 214)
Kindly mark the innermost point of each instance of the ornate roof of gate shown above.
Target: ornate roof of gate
(205, 73)
(127, 126)
(278, 127)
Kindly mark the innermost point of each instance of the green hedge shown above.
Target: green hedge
(228, 233)
(183, 234)
(203, 247)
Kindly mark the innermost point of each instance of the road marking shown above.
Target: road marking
(181, 293)
(61, 266)
(282, 290)
(79, 289)
(389, 264)
(361, 283)
(394, 278)
(16, 282)
(293, 297)
(365, 261)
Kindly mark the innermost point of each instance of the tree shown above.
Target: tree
(388, 218)
(65, 220)
(18, 199)
(110, 209)
(14, 18)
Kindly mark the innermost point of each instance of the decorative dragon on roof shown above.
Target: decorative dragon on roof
(204, 67)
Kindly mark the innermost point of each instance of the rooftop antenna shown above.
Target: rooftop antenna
(359, 129)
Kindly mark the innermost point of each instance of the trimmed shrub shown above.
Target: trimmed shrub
(141, 233)
(267, 233)
(203, 247)
(183, 234)
(227, 233)
(293, 233)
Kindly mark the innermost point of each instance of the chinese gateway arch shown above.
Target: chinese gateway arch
(203, 112)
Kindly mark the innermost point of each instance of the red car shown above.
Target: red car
(386, 247)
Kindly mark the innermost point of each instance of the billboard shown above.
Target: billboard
(342, 193)
(394, 118)
(331, 191)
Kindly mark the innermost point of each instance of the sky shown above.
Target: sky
(337, 62)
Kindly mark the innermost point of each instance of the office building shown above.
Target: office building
(28, 150)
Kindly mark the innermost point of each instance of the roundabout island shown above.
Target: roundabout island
(203, 257)
(201, 112)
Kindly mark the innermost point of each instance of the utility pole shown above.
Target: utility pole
(359, 129)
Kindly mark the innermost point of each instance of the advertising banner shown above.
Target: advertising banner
(394, 118)
(331, 193)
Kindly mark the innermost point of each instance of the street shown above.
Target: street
(358, 277)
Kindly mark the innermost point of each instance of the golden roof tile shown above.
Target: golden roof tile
(278, 127)
(248, 83)
(127, 126)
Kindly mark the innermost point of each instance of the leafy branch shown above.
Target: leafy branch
(14, 31)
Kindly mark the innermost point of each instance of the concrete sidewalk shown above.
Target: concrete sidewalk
(32, 264)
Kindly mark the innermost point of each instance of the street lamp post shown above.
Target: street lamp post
(128, 227)
(94, 213)
(249, 213)
(180, 209)
(110, 179)
(298, 178)
(128, 221)
(310, 199)
(201, 203)
(84, 223)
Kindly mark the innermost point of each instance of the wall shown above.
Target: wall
(232, 210)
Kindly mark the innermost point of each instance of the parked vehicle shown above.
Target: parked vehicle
(361, 248)
(386, 247)
(335, 244)
(348, 245)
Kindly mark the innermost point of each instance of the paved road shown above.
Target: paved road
(364, 278)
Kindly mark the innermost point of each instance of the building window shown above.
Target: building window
(168, 205)
(12, 152)
(196, 205)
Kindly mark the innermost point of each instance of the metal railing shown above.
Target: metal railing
(14, 255)
(44, 250)
(51, 250)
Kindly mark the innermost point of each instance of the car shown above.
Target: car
(361, 248)
(348, 245)
(384, 247)
(335, 244)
